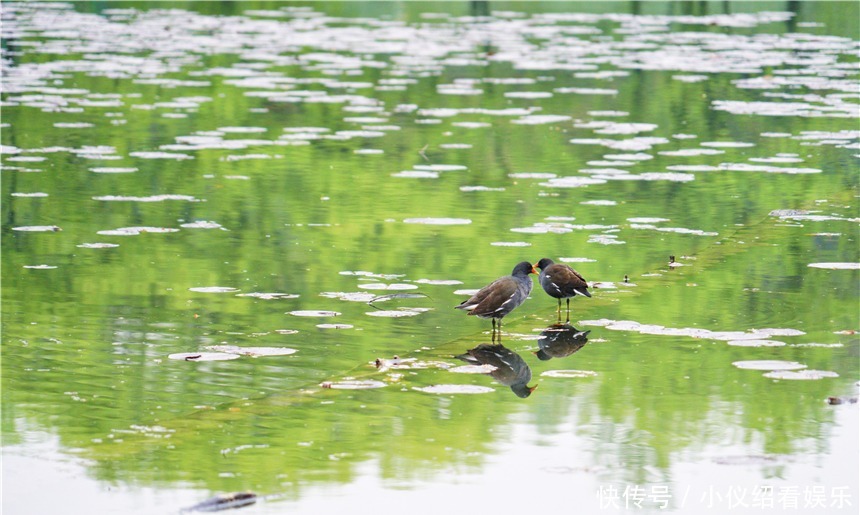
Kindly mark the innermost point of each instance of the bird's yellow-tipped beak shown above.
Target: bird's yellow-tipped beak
(534, 269)
(532, 388)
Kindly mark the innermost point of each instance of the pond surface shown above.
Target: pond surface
(234, 233)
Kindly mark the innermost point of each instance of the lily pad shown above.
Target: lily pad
(771, 365)
(353, 384)
(835, 266)
(446, 389)
(313, 313)
(37, 228)
(756, 343)
(473, 369)
(269, 296)
(252, 351)
(203, 356)
(98, 245)
(569, 373)
(393, 313)
(438, 221)
(801, 375)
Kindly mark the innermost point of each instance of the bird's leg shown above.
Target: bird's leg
(568, 311)
(558, 311)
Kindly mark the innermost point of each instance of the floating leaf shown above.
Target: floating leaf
(768, 365)
(203, 356)
(438, 221)
(213, 289)
(313, 313)
(98, 245)
(252, 351)
(801, 375)
(37, 228)
(269, 296)
(569, 373)
(756, 343)
(394, 314)
(835, 266)
(446, 389)
(353, 384)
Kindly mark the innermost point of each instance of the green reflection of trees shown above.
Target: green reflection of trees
(85, 345)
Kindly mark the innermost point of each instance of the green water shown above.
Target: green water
(255, 105)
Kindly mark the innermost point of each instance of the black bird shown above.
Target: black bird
(500, 297)
(559, 341)
(510, 368)
(562, 282)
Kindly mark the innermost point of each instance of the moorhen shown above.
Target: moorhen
(559, 341)
(500, 297)
(509, 368)
(562, 282)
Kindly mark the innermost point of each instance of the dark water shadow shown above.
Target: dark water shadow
(560, 341)
(510, 368)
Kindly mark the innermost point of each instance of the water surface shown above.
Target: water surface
(234, 233)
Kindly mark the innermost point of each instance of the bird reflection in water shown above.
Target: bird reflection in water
(559, 341)
(510, 369)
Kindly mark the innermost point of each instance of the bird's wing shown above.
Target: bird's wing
(493, 297)
(571, 279)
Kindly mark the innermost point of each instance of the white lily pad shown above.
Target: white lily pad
(835, 266)
(353, 384)
(756, 343)
(800, 375)
(313, 313)
(252, 351)
(438, 221)
(446, 389)
(203, 356)
(770, 365)
(569, 373)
